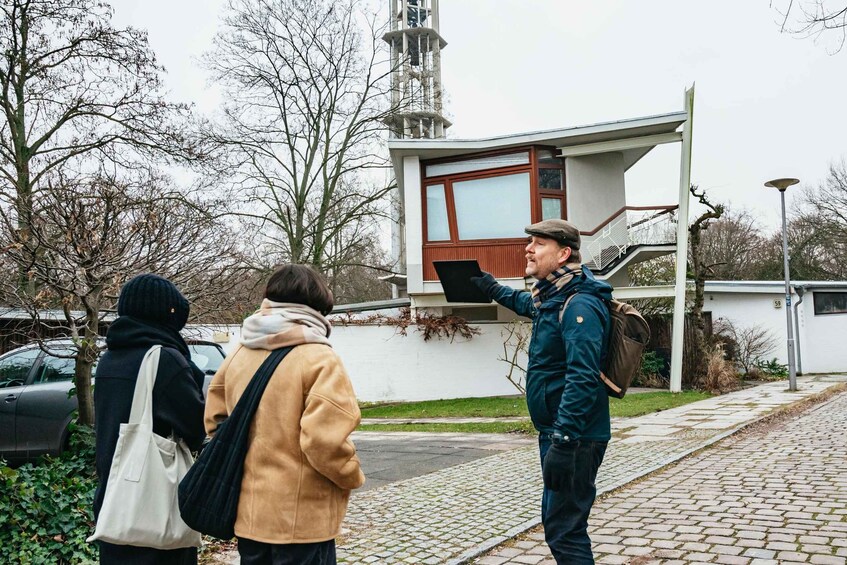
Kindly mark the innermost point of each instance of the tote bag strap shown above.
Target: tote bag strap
(142, 398)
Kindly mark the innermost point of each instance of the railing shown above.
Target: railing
(631, 225)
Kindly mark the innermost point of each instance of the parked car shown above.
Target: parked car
(35, 405)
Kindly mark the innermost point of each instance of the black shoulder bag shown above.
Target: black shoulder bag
(209, 492)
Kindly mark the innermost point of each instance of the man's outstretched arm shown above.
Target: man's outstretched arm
(518, 301)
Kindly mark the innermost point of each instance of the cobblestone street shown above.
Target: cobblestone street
(776, 494)
(459, 513)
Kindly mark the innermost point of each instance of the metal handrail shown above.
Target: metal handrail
(611, 240)
(665, 210)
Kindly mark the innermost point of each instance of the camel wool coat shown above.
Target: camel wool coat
(301, 464)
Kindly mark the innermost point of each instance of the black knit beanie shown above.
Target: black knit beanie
(154, 299)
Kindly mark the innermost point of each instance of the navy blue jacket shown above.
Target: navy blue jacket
(563, 388)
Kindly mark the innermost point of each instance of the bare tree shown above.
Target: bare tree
(823, 210)
(700, 271)
(515, 346)
(812, 18)
(732, 245)
(95, 231)
(751, 342)
(357, 278)
(72, 85)
(306, 93)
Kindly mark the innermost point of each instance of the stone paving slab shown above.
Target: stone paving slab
(454, 514)
(774, 495)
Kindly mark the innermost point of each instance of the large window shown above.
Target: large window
(437, 224)
(491, 196)
(492, 207)
(830, 303)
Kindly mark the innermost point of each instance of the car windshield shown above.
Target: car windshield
(206, 356)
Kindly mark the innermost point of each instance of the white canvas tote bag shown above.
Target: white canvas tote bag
(140, 504)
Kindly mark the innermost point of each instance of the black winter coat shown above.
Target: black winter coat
(177, 408)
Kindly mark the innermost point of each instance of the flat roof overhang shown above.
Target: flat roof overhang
(634, 137)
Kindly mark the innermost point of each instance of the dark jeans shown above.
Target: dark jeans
(258, 553)
(565, 513)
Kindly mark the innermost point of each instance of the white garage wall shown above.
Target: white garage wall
(386, 366)
(745, 310)
(821, 339)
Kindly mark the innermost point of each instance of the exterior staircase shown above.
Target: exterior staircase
(631, 235)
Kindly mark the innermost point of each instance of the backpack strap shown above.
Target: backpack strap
(565, 305)
(603, 376)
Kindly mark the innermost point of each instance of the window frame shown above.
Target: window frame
(815, 295)
(550, 192)
(535, 193)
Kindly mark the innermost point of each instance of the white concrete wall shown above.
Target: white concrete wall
(595, 188)
(386, 366)
(821, 339)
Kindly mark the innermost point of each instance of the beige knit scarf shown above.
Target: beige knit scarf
(554, 282)
(281, 324)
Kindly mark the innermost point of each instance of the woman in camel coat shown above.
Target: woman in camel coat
(300, 465)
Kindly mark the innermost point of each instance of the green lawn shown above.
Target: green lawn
(514, 406)
(491, 407)
(647, 402)
(522, 427)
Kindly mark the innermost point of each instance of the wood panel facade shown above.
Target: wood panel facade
(501, 259)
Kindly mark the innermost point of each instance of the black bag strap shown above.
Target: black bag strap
(209, 492)
(241, 417)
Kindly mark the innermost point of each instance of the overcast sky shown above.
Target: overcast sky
(767, 104)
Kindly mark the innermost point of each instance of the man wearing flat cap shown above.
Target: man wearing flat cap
(567, 401)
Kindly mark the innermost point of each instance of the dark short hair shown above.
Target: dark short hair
(300, 284)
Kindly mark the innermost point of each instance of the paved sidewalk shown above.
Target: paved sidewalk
(774, 495)
(458, 513)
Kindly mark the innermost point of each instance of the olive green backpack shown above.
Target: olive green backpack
(629, 334)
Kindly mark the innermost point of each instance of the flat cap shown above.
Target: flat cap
(564, 232)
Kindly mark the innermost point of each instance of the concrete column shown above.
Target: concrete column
(682, 247)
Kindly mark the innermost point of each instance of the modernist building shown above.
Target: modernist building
(471, 198)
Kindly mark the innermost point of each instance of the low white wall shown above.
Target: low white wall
(386, 366)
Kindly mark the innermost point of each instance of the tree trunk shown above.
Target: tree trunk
(87, 353)
(82, 381)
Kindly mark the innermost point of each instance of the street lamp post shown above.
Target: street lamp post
(781, 185)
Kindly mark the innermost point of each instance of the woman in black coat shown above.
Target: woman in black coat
(151, 312)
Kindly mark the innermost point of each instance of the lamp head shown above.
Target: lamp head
(781, 184)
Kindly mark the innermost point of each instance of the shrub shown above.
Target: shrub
(720, 373)
(46, 507)
(747, 343)
(771, 370)
(650, 372)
